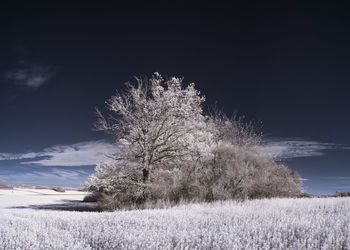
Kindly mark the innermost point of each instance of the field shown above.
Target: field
(33, 219)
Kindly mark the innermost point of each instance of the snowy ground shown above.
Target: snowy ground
(317, 223)
(25, 198)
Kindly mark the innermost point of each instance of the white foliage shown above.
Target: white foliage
(158, 123)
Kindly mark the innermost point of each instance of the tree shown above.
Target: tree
(159, 123)
(238, 168)
(169, 150)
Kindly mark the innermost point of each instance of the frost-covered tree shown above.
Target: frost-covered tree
(233, 130)
(169, 150)
(238, 168)
(158, 124)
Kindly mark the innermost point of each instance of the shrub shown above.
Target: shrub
(59, 189)
(5, 185)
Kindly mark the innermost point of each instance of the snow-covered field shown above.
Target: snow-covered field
(306, 223)
(25, 197)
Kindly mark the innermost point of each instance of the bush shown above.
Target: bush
(233, 173)
(342, 194)
(239, 173)
(92, 197)
(59, 189)
(5, 185)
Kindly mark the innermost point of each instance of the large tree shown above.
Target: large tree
(169, 150)
(158, 124)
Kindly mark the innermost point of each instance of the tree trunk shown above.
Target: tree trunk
(146, 176)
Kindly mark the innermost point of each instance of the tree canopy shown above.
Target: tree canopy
(168, 149)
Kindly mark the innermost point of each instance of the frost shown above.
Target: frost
(306, 223)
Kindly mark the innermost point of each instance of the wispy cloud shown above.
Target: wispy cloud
(79, 154)
(345, 178)
(49, 176)
(91, 152)
(57, 174)
(345, 187)
(15, 156)
(293, 148)
(32, 76)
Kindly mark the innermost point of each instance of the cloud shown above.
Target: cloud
(50, 176)
(346, 187)
(32, 76)
(293, 148)
(91, 152)
(345, 178)
(79, 154)
(11, 156)
(57, 174)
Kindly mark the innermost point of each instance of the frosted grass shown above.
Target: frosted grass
(259, 224)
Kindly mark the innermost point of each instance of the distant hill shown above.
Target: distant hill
(4, 185)
(55, 188)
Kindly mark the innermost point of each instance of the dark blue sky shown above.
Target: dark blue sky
(286, 65)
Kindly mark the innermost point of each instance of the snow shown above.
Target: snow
(26, 197)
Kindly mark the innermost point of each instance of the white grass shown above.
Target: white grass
(261, 224)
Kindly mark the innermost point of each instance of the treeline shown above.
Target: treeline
(337, 194)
